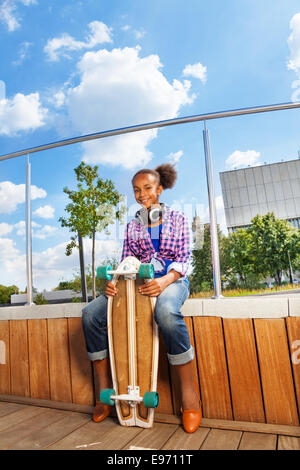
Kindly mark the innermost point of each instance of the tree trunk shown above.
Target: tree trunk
(93, 267)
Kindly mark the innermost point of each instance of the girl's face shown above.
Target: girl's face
(146, 190)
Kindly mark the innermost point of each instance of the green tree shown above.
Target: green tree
(6, 292)
(94, 206)
(239, 260)
(75, 283)
(201, 261)
(274, 244)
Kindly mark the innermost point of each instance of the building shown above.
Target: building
(261, 189)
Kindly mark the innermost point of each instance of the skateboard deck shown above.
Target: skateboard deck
(133, 347)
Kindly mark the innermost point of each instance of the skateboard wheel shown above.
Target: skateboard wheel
(146, 271)
(103, 274)
(150, 399)
(105, 395)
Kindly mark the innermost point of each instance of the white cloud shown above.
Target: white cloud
(243, 159)
(197, 71)
(294, 62)
(45, 212)
(8, 12)
(21, 113)
(99, 33)
(174, 157)
(23, 52)
(294, 44)
(133, 91)
(49, 266)
(5, 229)
(21, 227)
(13, 194)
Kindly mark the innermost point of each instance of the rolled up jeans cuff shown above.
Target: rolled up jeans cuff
(183, 358)
(98, 355)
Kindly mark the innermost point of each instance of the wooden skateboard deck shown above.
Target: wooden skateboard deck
(133, 349)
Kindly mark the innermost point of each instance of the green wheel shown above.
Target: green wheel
(150, 399)
(105, 396)
(103, 274)
(146, 271)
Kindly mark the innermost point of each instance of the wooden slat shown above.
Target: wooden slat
(258, 441)
(154, 438)
(96, 436)
(174, 377)
(53, 432)
(38, 359)
(81, 370)
(8, 408)
(19, 416)
(243, 371)
(293, 328)
(182, 440)
(16, 433)
(59, 363)
(288, 443)
(163, 382)
(19, 358)
(4, 359)
(219, 439)
(211, 359)
(276, 375)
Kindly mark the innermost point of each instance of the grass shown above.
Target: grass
(239, 292)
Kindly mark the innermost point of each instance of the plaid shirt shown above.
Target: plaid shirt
(174, 242)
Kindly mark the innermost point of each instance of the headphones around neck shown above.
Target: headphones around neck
(152, 216)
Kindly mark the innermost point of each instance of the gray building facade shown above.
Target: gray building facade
(261, 189)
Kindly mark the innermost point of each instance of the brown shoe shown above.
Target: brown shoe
(191, 420)
(101, 412)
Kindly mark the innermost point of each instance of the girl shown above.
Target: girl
(157, 235)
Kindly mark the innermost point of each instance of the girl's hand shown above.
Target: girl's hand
(111, 289)
(154, 287)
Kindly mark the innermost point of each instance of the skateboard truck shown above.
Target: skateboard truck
(129, 269)
(150, 399)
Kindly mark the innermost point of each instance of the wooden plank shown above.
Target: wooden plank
(4, 357)
(96, 436)
(243, 371)
(211, 359)
(182, 440)
(19, 416)
(154, 438)
(14, 434)
(276, 374)
(165, 404)
(19, 358)
(67, 423)
(288, 443)
(38, 359)
(219, 439)
(8, 408)
(174, 377)
(59, 363)
(293, 328)
(258, 441)
(81, 369)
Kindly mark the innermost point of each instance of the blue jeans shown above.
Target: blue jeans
(166, 314)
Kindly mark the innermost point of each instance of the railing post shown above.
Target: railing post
(28, 233)
(82, 270)
(212, 216)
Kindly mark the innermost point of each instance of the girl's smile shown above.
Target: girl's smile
(146, 190)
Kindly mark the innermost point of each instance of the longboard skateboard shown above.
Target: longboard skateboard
(133, 344)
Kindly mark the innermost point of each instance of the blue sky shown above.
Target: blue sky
(75, 67)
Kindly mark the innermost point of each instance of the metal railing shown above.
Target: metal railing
(143, 127)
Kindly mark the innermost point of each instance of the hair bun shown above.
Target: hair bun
(167, 175)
